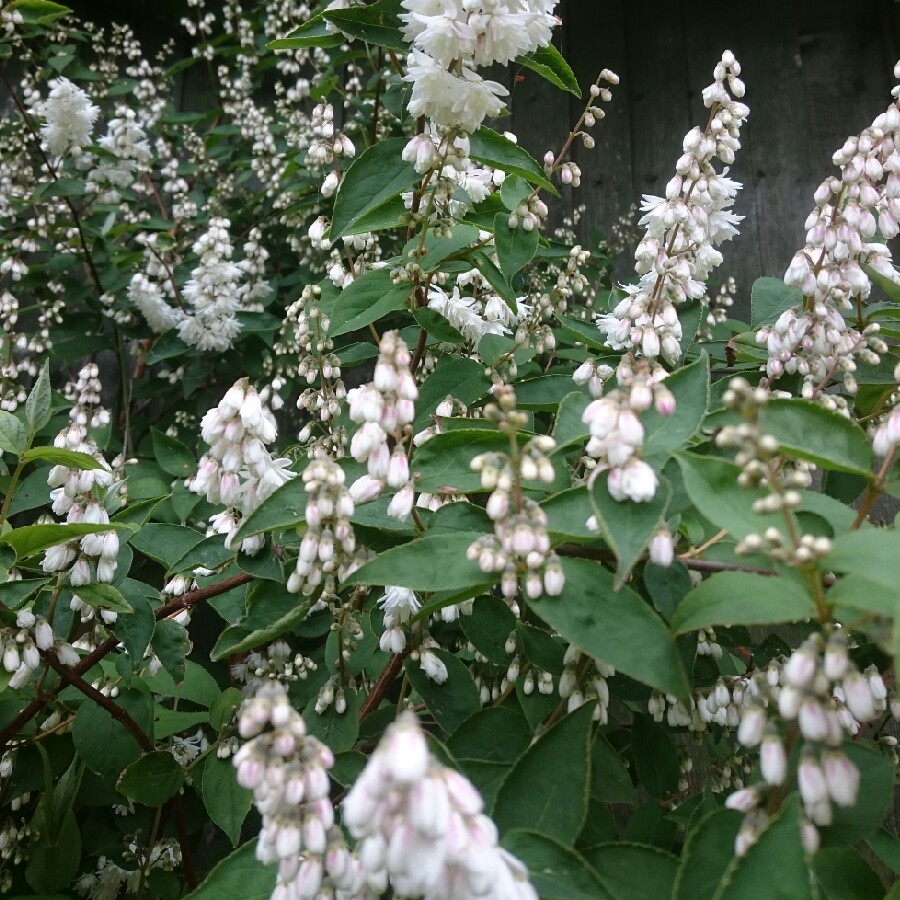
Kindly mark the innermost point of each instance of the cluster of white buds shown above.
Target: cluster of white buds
(385, 410)
(683, 229)
(327, 147)
(886, 435)
(287, 770)
(22, 647)
(854, 216)
(585, 679)
(328, 542)
(420, 827)
(617, 434)
(474, 311)
(239, 471)
(594, 375)
(84, 495)
(69, 118)
(14, 843)
(821, 695)
(677, 713)
(520, 544)
(275, 662)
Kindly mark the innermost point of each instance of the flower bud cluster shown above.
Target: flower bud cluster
(126, 140)
(304, 350)
(617, 434)
(328, 543)
(400, 605)
(520, 544)
(847, 231)
(22, 647)
(275, 662)
(593, 375)
(385, 410)
(238, 470)
(819, 693)
(585, 679)
(886, 435)
(287, 770)
(420, 827)
(683, 229)
(327, 147)
(84, 495)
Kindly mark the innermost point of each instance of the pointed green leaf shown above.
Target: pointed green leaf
(34, 538)
(369, 298)
(769, 298)
(690, 388)
(59, 456)
(239, 876)
(489, 147)
(559, 761)
(515, 246)
(103, 596)
(153, 779)
(635, 871)
(451, 702)
(37, 404)
(549, 63)
(708, 851)
(226, 801)
(13, 435)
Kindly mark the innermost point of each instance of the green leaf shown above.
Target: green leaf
(173, 721)
(165, 543)
(742, 598)
(635, 871)
(708, 851)
(586, 333)
(548, 62)
(284, 508)
(313, 33)
(555, 871)
(103, 596)
(452, 702)
(222, 710)
(618, 628)
(869, 553)
(239, 876)
(876, 791)
(439, 249)
(610, 781)
(375, 176)
(628, 527)
(495, 278)
(431, 563)
(810, 432)
(887, 847)
(541, 649)
(13, 436)
(515, 246)
(488, 147)
(173, 457)
(53, 861)
(135, 629)
(38, 12)
(339, 730)
(153, 779)
(488, 628)
(271, 612)
(37, 404)
(369, 298)
(496, 734)
(226, 801)
(568, 513)
(544, 393)
(655, 759)
(690, 388)
(568, 427)
(210, 553)
(769, 298)
(667, 586)
(14, 593)
(375, 24)
(197, 686)
(559, 761)
(59, 456)
(777, 851)
(171, 644)
(33, 539)
(463, 379)
(104, 743)
(842, 874)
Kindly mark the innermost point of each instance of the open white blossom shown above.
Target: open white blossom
(69, 118)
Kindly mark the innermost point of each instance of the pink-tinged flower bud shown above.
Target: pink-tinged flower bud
(67, 654)
(841, 778)
(811, 781)
(406, 753)
(80, 573)
(858, 697)
(43, 634)
(836, 660)
(752, 727)
(789, 700)
(743, 801)
(662, 548)
(800, 668)
(773, 760)
(402, 503)
(813, 720)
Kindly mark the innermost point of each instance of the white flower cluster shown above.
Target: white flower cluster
(238, 470)
(287, 770)
(22, 647)
(328, 544)
(400, 605)
(385, 410)
(69, 118)
(474, 318)
(585, 679)
(326, 147)
(855, 216)
(84, 495)
(450, 38)
(213, 292)
(420, 826)
(821, 690)
(617, 434)
(126, 140)
(112, 880)
(683, 229)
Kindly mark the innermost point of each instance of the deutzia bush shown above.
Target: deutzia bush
(365, 535)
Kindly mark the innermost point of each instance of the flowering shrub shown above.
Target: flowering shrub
(362, 536)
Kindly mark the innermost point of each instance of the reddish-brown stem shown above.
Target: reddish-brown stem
(380, 688)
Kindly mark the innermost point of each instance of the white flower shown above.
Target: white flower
(69, 116)
(433, 666)
(634, 481)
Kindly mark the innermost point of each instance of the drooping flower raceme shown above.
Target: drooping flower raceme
(287, 770)
(69, 118)
(238, 470)
(683, 229)
(420, 826)
(842, 237)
